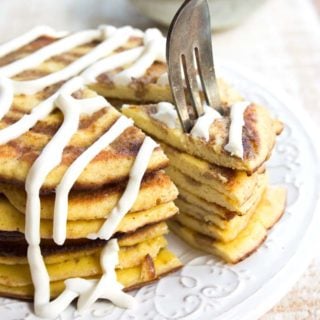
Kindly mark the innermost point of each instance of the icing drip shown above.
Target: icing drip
(130, 194)
(154, 49)
(28, 37)
(74, 171)
(107, 286)
(167, 114)
(117, 38)
(39, 275)
(6, 96)
(234, 145)
(201, 129)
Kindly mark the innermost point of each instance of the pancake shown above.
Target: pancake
(13, 220)
(132, 278)
(213, 196)
(89, 265)
(143, 88)
(190, 218)
(13, 248)
(156, 189)
(259, 133)
(128, 257)
(213, 219)
(236, 185)
(153, 86)
(210, 229)
(111, 165)
(249, 239)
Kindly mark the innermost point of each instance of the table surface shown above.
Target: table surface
(280, 41)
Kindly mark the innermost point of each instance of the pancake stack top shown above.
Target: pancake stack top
(84, 195)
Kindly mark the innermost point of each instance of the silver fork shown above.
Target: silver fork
(189, 52)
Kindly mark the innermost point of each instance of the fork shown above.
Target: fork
(189, 53)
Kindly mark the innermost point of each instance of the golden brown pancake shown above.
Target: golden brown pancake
(149, 270)
(210, 217)
(248, 240)
(156, 189)
(89, 264)
(13, 247)
(258, 137)
(144, 88)
(213, 196)
(111, 165)
(13, 220)
(236, 185)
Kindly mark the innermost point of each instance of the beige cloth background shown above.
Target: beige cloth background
(281, 41)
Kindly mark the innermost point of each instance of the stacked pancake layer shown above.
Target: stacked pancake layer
(226, 205)
(84, 195)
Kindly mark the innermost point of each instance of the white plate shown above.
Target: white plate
(206, 287)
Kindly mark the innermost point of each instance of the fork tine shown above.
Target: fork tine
(177, 87)
(204, 58)
(208, 78)
(190, 74)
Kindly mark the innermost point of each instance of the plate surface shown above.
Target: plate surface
(206, 287)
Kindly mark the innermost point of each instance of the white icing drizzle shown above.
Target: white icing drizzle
(111, 63)
(44, 53)
(201, 128)
(28, 37)
(6, 96)
(117, 39)
(167, 114)
(154, 49)
(234, 145)
(130, 194)
(49, 158)
(74, 171)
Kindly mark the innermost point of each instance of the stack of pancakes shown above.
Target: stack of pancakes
(225, 202)
(143, 255)
(226, 205)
